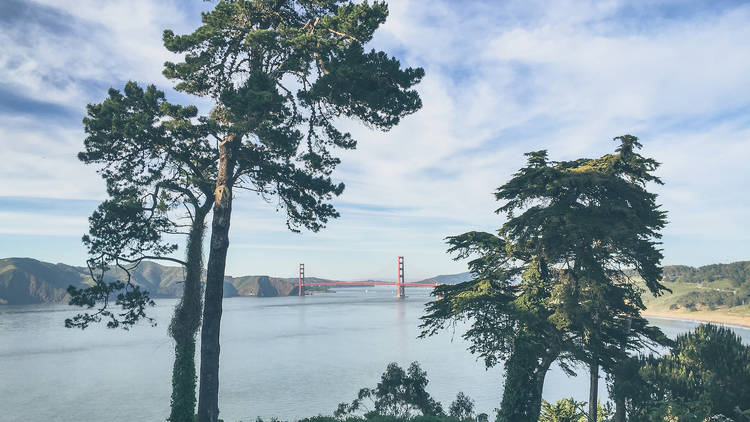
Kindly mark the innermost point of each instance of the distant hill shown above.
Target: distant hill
(261, 286)
(26, 281)
(723, 288)
(449, 278)
(711, 287)
(736, 273)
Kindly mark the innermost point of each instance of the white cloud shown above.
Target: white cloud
(103, 42)
(40, 161)
(565, 82)
(41, 224)
(502, 79)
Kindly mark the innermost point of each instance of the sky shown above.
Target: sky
(502, 78)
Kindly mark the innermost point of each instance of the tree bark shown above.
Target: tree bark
(593, 389)
(618, 374)
(540, 375)
(185, 324)
(208, 397)
(525, 372)
(593, 344)
(619, 404)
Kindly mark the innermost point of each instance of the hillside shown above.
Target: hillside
(262, 286)
(449, 278)
(26, 281)
(717, 287)
(713, 291)
(736, 274)
(716, 293)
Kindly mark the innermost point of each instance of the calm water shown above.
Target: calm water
(287, 357)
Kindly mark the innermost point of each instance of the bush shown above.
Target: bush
(382, 418)
(707, 374)
(462, 408)
(399, 394)
(569, 410)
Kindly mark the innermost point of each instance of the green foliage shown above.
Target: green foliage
(711, 299)
(382, 418)
(570, 410)
(737, 272)
(155, 159)
(184, 377)
(706, 374)
(399, 394)
(564, 410)
(462, 407)
(281, 75)
(131, 299)
(551, 285)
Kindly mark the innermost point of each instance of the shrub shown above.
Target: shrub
(707, 374)
(399, 394)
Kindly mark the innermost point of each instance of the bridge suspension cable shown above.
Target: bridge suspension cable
(400, 282)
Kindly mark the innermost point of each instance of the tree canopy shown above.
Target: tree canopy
(157, 160)
(552, 284)
(400, 394)
(706, 374)
(282, 74)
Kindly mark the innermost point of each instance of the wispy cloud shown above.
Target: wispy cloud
(503, 78)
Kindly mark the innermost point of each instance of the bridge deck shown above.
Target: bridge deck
(368, 283)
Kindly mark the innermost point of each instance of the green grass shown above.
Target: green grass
(674, 304)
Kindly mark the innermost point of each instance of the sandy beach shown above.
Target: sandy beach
(719, 317)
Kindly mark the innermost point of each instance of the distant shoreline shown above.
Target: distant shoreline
(702, 316)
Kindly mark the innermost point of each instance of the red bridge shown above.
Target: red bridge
(399, 283)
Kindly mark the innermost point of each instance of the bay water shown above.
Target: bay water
(284, 357)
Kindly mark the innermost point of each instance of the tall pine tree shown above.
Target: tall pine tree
(555, 282)
(282, 74)
(157, 161)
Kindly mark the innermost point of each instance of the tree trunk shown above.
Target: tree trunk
(593, 389)
(540, 376)
(525, 372)
(593, 344)
(185, 324)
(619, 405)
(183, 382)
(618, 374)
(208, 397)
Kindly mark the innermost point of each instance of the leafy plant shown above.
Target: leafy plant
(399, 394)
(570, 410)
(462, 407)
(706, 374)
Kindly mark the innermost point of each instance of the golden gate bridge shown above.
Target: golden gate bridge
(400, 283)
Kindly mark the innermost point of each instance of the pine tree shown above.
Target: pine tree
(552, 284)
(157, 161)
(282, 74)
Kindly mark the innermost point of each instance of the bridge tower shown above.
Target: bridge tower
(301, 280)
(400, 279)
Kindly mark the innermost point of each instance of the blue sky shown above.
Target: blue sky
(502, 78)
